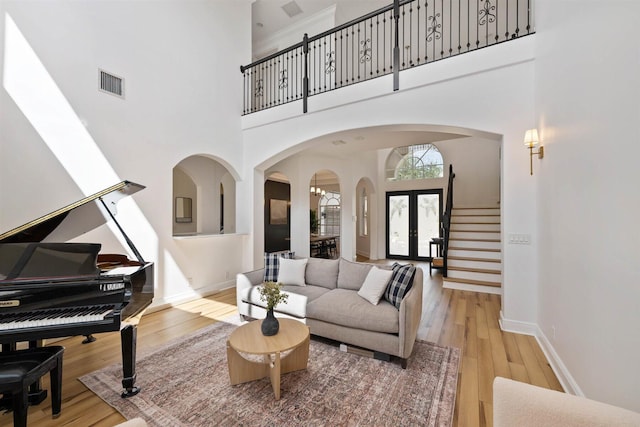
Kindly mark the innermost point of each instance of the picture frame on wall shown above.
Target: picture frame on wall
(278, 212)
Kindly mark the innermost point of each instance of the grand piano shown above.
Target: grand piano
(50, 288)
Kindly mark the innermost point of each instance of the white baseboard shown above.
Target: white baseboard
(568, 383)
(472, 288)
(517, 326)
(363, 254)
(565, 378)
(162, 303)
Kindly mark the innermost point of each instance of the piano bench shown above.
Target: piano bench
(21, 368)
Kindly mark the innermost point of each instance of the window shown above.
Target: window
(330, 214)
(364, 213)
(421, 161)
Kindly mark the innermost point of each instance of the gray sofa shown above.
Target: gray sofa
(330, 305)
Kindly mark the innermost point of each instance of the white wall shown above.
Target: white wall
(587, 108)
(62, 139)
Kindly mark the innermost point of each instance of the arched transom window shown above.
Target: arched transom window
(420, 161)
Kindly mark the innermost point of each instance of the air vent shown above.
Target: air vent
(111, 84)
(292, 9)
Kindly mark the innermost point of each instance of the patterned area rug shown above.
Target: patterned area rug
(186, 383)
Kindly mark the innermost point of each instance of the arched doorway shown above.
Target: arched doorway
(324, 211)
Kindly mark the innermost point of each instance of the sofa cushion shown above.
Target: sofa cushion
(375, 284)
(296, 304)
(291, 271)
(351, 275)
(400, 283)
(322, 272)
(345, 307)
(272, 264)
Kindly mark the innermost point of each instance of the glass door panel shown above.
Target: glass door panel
(398, 225)
(428, 216)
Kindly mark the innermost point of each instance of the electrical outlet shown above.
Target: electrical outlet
(519, 239)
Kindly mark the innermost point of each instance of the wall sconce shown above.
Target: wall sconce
(530, 141)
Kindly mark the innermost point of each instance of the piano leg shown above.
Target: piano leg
(128, 344)
(36, 393)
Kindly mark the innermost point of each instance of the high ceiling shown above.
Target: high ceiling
(270, 16)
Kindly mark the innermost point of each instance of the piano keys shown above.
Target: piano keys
(50, 288)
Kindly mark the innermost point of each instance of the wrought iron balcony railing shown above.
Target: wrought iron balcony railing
(402, 35)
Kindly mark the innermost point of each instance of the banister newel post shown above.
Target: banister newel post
(305, 78)
(396, 47)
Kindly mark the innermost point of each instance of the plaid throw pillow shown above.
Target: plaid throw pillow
(400, 283)
(272, 265)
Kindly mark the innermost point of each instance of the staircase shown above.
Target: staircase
(474, 260)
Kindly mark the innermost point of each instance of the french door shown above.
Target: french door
(413, 219)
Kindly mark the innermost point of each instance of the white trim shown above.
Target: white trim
(473, 288)
(517, 326)
(565, 378)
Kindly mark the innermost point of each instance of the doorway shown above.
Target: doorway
(412, 220)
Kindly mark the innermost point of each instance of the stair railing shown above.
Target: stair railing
(446, 221)
(397, 37)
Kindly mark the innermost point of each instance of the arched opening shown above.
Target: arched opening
(365, 202)
(324, 212)
(199, 198)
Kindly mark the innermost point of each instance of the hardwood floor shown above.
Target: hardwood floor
(460, 319)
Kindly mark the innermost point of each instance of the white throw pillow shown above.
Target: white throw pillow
(291, 271)
(375, 284)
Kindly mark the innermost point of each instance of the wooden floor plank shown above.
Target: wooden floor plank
(486, 373)
(536, 375)
(554, 384)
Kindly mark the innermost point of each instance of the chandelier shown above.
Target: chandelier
(315, 189)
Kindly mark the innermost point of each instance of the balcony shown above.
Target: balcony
(403, 35)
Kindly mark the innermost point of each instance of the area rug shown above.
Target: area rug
(186, 383)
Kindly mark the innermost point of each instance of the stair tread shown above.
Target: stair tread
(473, 231)
(492, 215)
(474, 240)
(458, 248)
(476, 207)
(475, 270)
(454, 223)
(466, 258)
(473, 282)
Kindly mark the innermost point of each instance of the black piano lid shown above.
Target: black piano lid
(75, 219)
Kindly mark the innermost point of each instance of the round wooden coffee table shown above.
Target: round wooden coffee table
(248, 339)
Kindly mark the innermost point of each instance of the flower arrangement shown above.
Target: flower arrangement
(270, 293)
